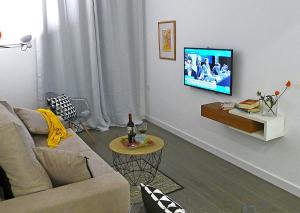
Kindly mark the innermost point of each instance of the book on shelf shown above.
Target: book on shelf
(227, 105)
(248, 104)
(253, 110)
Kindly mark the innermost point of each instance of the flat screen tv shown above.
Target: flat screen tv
(209, 69)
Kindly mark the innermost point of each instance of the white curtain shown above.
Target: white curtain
(94, 49)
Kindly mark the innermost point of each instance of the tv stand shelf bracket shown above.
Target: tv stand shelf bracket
(265, 128)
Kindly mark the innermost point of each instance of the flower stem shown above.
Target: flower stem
(270, 107)
(280, 95)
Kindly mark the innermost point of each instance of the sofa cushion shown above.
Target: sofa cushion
(7, 105)
(33, 120)
(97, 165)
(61, 105)
(75, 144)
(8, 118)
(25, 173)
(5, 185)
(1, 194)
(157, 202)
(63, 167)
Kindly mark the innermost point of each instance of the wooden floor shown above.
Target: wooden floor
(210, 184)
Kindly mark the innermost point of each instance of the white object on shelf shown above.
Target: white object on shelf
(273, 126)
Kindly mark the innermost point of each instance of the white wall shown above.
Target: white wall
(265, 36)
(18, 81)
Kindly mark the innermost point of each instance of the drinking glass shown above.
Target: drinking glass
(142, 128)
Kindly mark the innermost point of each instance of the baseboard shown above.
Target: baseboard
(272, 178)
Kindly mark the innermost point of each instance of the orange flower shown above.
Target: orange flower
(288, 84)
(277, 92)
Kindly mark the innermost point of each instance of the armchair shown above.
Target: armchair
(83, 112)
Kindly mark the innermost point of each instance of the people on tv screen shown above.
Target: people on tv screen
(201, 68)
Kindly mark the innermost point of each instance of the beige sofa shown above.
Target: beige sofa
(106, 192)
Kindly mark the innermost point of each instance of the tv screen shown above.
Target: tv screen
(209, 69)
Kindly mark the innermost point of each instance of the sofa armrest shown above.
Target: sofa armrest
(107, 193)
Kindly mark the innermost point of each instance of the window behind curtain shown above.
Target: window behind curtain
(19, 18)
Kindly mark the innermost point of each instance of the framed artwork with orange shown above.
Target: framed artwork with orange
(167, 40)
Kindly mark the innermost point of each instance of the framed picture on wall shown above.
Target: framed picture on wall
(167, 40)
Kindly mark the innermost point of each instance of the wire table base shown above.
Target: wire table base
(137, 168)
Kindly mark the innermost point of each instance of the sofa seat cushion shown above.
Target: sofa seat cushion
(33, 120)
(106, 194)
(75, 144)
(63, 167)
(25, 173)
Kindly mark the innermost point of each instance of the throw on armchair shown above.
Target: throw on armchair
(77, 112)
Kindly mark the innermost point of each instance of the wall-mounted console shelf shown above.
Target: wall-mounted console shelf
(254, 124)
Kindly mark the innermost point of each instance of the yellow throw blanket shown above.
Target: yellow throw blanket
(57, 130)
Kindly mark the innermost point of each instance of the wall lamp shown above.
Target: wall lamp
(24, 44)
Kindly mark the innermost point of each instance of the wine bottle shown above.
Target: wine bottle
(130, 129)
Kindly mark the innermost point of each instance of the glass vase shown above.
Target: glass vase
(268, 109)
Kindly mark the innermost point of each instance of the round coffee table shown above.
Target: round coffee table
(138, 165)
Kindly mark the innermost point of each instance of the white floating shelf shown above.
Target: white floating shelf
(273, 126)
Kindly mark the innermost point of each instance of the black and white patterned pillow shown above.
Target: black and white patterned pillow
(62, 106)
(157, 202)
